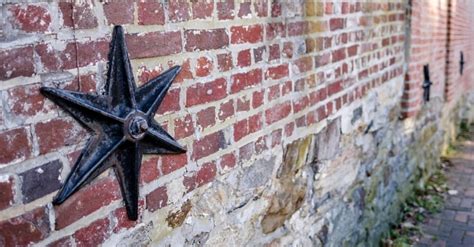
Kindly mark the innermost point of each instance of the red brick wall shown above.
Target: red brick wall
(256, 75)
(439, 31)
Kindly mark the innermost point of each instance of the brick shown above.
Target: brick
(206, 117)
(94, 234)
(40, 181)
(226, 110)
(118, 13)
(245, 80)
(289, 128)
(257, 99)
(57, 133)
(206, 174)
(62, 242)
(15, 145)
(185, 73)
(202, 10)
(246, 34)
(288, 49)
(208, 145)
(170, 102)
(336, 24)
(32, 18)
(338, 55)
(277, 112)
(273, 92)
(244, 58)
(75, 54)
(275, 30)
(228, 161)
(157, 199)
(261, 8)
(258, 54)
(300, 104)
(25, 229)
(151, 13)
(276, 137)
(16, 62)
(277, 72)
(204, 66)
(203, 176)
(303, 64)
(149, 169)
(121, 218)
(184, 127)
(201, 93)
(147, 45)
(260, 145)
(178, 10)
(225, 9)
(241, 129)
(224, 62)
(297, 28)
(246, 152)
(206, 39)
(83, 202)
(25, 101)
(7, 191)
(171, 163)
(275, 9)
(78, 15)
(274, 52)
(243, 104)
(244, 10)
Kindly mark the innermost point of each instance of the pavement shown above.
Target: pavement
(454, 225)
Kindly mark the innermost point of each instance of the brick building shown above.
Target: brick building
(304, 121)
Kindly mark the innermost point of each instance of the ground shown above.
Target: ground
(454, 224)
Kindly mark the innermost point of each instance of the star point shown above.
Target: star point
(122, 126)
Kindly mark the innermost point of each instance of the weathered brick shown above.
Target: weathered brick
(178, 10)
(148, 44)
(277, 112)
(94, 234)
(206, 39)
(83, 202)
(245, 80)
(30, 18)
(228, 161)
(247, 126)
(225, 9)
(25, 101)
(16, 62)
(121, 218)
(274, 52)
(57, 133)
(201, 93)
(277, 72)
(244, 58)
(157, 199)
(261, 8)
(206, 174)
(149, 169)
(119, 12)
(257, 99)
(303, 64)
(7, 191)
(244, 10)
(226, 110)
(224, 62)
(170, 102)
(338, 55)
(258, 54)
(151, 13)
(206, 117)
(297, 28)
(184, 127)
(25, 229)
(15, 145)
(204, 66)
(275, 30)
(202, 10)
(171, 163)
(336, 24)
(78, 15)
(208, 145)
(246, 34)
(40, 181)
(243, 104)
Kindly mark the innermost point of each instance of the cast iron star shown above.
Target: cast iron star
(122, 125)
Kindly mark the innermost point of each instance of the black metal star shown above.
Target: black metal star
(122, 125)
